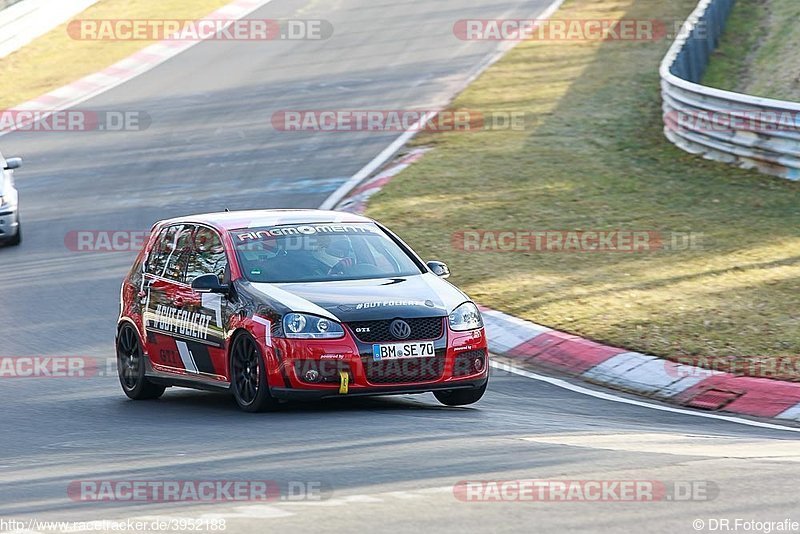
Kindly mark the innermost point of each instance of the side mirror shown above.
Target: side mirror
(13, 163)
(208, 283)
(439, 268)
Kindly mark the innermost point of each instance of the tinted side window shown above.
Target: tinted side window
(158, 254)
(179, 245)
(208, 256)
(170, 254)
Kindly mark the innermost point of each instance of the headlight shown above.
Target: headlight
(302, 326)
(466, 317)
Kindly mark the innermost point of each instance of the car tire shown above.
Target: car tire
(131, 367)
(17, 239)
(460, 397)
(248, 375)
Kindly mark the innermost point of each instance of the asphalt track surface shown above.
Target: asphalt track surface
(387, 464)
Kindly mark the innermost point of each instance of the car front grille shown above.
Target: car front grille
(464, 363)
(404, 370)
(378, 331)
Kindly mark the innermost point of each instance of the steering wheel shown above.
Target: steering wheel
(340, 266)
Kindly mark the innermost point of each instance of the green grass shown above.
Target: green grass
(55, 59)
(593, 156)
(758, 54)
(729, 67)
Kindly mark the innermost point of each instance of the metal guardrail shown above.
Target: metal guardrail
(748, 131)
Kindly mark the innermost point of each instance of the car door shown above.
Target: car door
(164, 293)
(209, 311)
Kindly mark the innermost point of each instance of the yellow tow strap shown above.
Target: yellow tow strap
(344, 382)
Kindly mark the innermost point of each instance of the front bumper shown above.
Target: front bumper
(9, 222)
(319, 394)
(461, 361)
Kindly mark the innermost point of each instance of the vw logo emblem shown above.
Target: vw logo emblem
(400, 329)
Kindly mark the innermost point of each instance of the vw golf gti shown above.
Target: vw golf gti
(278, 305)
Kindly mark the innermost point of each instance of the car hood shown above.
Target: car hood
(424, 295)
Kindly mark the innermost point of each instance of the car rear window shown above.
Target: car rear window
(320, 252)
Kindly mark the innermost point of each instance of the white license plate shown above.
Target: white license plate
(396, 351)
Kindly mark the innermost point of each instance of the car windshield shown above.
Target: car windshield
(320, 252)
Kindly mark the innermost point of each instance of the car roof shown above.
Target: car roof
(259, 218)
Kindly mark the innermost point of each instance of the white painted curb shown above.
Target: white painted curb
(23, 22)
(380, 160)
(125, 70)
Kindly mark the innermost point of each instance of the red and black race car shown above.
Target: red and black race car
(294, 304)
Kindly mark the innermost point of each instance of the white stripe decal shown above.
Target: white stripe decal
(186, 357)
(267, 327)
(213, 302)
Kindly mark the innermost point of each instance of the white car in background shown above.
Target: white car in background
(10, 230)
